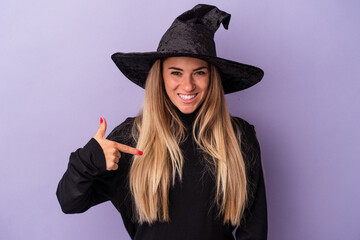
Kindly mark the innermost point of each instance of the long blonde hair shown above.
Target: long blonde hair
(158, 131)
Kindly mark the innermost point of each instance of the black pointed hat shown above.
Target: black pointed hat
(191, 35)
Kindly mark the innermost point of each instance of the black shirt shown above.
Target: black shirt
(192, 210)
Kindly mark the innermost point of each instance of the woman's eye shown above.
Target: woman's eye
(176, 73)
(200, 73)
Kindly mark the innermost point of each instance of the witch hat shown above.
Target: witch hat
(192, 35)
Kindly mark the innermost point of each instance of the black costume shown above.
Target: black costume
(193, 214)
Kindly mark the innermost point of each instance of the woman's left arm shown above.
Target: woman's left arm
(254, 226)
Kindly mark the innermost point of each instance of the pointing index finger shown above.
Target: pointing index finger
(127, 149)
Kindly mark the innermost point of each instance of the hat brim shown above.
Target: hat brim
(234, 76)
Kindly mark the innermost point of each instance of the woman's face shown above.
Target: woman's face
(186, 82)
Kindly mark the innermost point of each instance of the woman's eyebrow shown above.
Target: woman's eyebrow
(179, 69)
(175, 68)
(199, 68)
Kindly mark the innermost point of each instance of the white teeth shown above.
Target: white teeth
(187, 97)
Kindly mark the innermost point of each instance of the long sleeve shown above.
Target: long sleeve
(86, 181)
(254, 226)
(76, 191)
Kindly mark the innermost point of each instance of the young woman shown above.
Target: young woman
(183, 168)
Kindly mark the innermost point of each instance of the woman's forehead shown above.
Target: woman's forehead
(185, 62)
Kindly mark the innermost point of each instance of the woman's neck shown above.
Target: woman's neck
(187, 118)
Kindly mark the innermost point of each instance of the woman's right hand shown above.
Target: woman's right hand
(112, 149)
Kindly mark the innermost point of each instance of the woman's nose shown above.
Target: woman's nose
(188, 83)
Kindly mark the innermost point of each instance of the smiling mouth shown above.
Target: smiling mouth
(187, 96)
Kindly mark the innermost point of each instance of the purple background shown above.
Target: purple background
(57, 79)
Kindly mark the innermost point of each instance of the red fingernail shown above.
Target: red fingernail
(140, 152)
(101, 120)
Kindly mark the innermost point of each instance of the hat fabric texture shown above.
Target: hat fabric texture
(191, 35)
